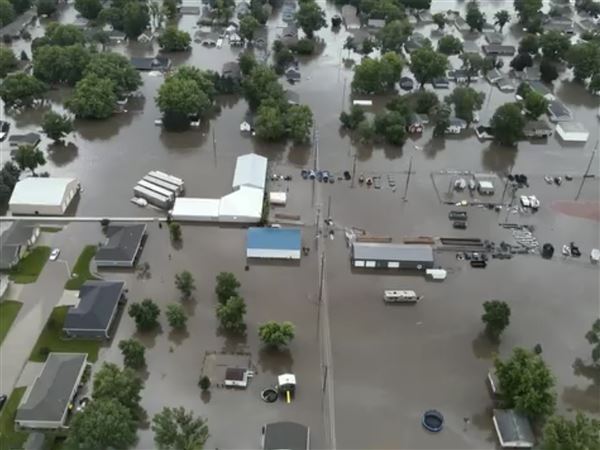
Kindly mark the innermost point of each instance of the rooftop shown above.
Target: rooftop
(97, 301)
(274, 238)
(50, 394)
(392, 252)
(513, 429)
(42, 191)
(286, 435)
(122, 244)
(250, 170)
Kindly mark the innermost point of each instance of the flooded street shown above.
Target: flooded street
(389, 363)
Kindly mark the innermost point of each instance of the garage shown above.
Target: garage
(43, 196)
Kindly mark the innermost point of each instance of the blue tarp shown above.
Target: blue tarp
(274, 238)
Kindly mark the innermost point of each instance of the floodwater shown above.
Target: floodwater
(389, 364)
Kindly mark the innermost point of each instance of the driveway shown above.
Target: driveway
(38, 301)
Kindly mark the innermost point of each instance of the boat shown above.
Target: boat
(139, 201)
(460, 184)
(369, 181)
(398, 296)
(548, 179)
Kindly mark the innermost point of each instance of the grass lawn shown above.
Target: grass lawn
(29, 268)
(9, 438)
(53, 340)
(81, 270)
(8, 311)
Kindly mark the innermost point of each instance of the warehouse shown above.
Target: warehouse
(250, 170)
(392, 256)
(273, 243)
(43, 196)
(196, 209)
(242, 206)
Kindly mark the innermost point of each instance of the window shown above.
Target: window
(370, 264)
(393, 265)
(359, 264)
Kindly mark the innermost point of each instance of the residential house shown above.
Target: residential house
(456, 125)
(425, 17)
(261, 37)
(505, 84)
(47, 402)
(350, 16)
(488, 27)
(572, 131)
(461, 76)
(588, 26)
(290, 435)
(20, 24)
(562, 25)
(558, 112)
(116, 36)
(441, 83)
(122, 247)
(376, 23)
(493, 76)
(146, 37)
(15, 240)
(93, 316)
(16, 140)
(292, 75)
(292, 98)
(498, 50)
(160, 63)
(415, 42)
(231, 70)
(494, 37)
(414, 125)
(461, 25)
(537, 129)
(470, 48)
(189, 10)
(541, 89)
(531, 73)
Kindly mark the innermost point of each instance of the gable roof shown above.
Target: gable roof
(122, 244)
(17, 234)
(50, 394)
(286, 435)
(513, 429)
(250, 170)
(27, 138)
(97, 302)
(42, 191)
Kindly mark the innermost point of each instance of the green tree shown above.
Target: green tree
(261, 84)
(594, 85)
(7, 13)
(373, 76)
(9, 175)
(170, 8)
(529, 44)
(176, 316)
(310, 17)
(93, 98)
(440, 117)
(439, 20)
(227, 286)
(555, 44)
(45, 7)
(88, 8)
(501, 17)
(248, 26)
(548, 71)
(393, 35)
(184, 282)
(585, 59)
(473, 64)
(521, 61)
(563, 434)
(247, 63)
(352, 119)
(593, 337)
(270, 122)
(365, 131)
(423, 101)
(135, 18)
(223, 10)
(133, 353)
(60, 64)
(178, 99)
(145, 314)
(474, 18)
(535, 104)
(526, 384)
(496, 318)
(507, 123)
(231, 314)
(282, 57)
(299, 122)
(392, 126)
(56, 126)
(466, 101)
(118, 69)
(21, 5)
(450, 45)
(174, 40)
(388, 10)
(175, 231)
(29, 157)
(204, 383)
(276, 334)
(105, 423)
(64, 35)
(426, 65)
(528, 11)
(178, 429)
(20, 89)
(417, 4)
(122, 385)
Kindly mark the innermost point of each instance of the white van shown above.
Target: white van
(401, 297)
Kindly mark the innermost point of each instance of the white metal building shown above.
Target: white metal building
(43, 196)
(572, 132)
(242, 206)
(196, 209)
(250, 170)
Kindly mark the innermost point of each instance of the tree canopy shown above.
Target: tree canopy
(20, 89)
(535, 104)
(392, 126)
(7, 13)
(427, 64)
(116, 68)
(56, 126)
(585, 59)
(276, 334)
(178, 429)
(93, 98)
(270, 121)
(474, 18)
(174, 40)
(231, 314)
(45, 7)
(184, 282)
(261, 84)
(145, 314)
(548, 71)
(593, 337)
(527, 10)
(89, 9)
(9, 175)
(60, 64)
(133, 353)
(375, 76)
(227, 286)
(176, 316)
(555, 44)
(450, 45)
(466, 101)
(508, 123)
(526, 384)
(122, 385)
(310, 17)
(248, 26)
(561, 433)
(529, 44)
(496, 318)
(299, 122)
(501, 17)
(393, 35)
(135, 18)
(29, 157)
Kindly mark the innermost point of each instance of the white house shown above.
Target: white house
(43, 196)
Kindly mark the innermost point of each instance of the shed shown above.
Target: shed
(196, 209)
(236, 377)
(572, 132)
(250, 170)
(513, 429)
(43, 196)
(392, 256)
(485, 187)
(278, 198)
(242, 206)
(273, 243)
(93, 316)
(285, 435)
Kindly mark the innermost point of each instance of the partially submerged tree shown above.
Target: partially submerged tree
(276, 334)
(89, 9)
(450, 45)
(175, 231)
(248, 26)
(133, 353)
(174, 40)
(439, 20)
(521, 61)
(555, 44)
(561, 433)
(227, 286)
(8, 61)
(496, 318)
(585, 59)
(145, 314)
(310, 17)
(184, 282)
(508, 123)
(375, 76)
(176, 316)
(548, 71)
(593, 337)
(393, 35)
(45, 7)
(7, 13)
(123, 385)
(93, 98)
(526, 384)
(204, 383)
(352, 119)
(501, 17)
(474, 17)
(427, 65)
(20, 89)
(135, 18)
(178, 429)
(535, 104)
(116, 68)
(529, 44)
(466, 101)
(528, 11)
(56, 126)
(29, 157)
(231, 314)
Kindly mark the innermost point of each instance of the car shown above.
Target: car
(54, 254)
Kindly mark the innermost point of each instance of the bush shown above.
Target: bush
(44, 352)
(175, 231)
(304, 47)
(204, 383)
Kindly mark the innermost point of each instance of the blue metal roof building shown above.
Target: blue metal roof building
(278, 243)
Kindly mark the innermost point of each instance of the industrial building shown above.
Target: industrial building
(43, 196)
(392, 256)
(273, 243)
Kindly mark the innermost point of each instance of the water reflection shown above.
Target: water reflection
(498, 158)
(61, 153)
(275, 361)
(93, 130)
(483, 347)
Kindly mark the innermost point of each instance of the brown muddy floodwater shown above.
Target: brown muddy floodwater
(388, 364)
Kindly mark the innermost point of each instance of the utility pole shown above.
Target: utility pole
(353, 170)
(407, 180)
(329, 207)
(587, 171)
(214, 139)
(344, 93)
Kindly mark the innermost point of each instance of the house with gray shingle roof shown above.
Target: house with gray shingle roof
(122, 246)
(14, 242)
(93, 316)
(46, 403)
